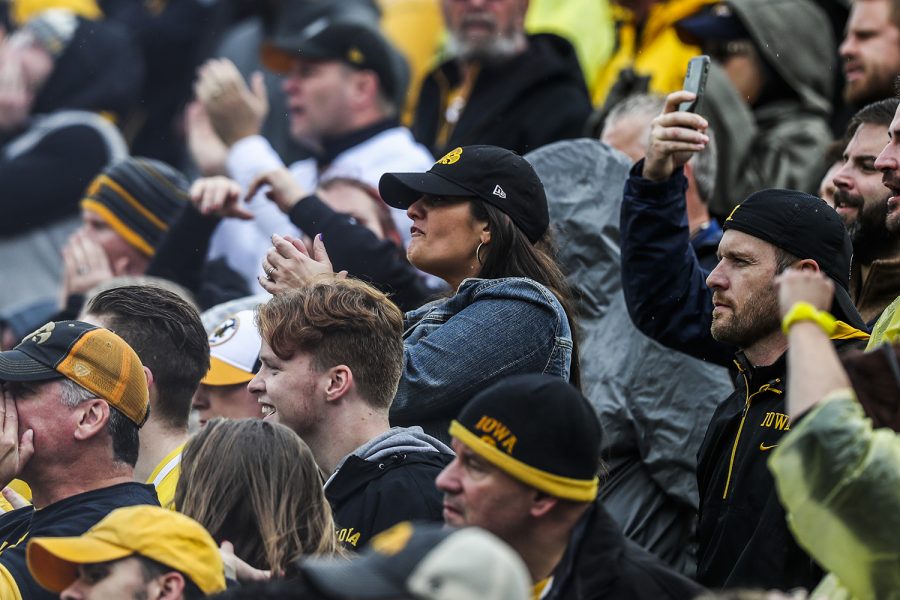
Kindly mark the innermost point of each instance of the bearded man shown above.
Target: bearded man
(861, 200)
(501, 86)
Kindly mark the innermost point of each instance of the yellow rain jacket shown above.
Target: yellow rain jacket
(656, 50)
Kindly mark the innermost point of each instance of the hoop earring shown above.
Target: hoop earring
(478, 253)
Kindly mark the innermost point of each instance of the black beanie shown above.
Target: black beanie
(139, 198)
(540, 430)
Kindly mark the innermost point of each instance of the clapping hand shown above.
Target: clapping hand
(288, 264)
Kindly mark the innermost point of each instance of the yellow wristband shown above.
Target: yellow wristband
(804, 311)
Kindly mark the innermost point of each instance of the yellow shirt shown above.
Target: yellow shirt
(165, 477)
(19, 487)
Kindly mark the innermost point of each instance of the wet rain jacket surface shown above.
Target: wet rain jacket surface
(840, 481)
(779, 141)
(653, 403)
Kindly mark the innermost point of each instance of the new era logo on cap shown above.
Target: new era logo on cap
(498, 191)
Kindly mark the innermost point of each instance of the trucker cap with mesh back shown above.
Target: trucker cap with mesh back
(93, 357)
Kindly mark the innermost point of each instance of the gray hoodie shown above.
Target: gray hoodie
(780, 142)
(396, 440)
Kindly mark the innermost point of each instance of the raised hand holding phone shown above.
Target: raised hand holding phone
(676, 134)
(695, 82)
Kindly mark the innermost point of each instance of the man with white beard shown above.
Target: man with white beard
(500, 86)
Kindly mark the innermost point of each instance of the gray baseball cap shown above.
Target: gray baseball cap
(424, 560)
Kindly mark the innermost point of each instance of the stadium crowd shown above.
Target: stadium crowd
(450, 299)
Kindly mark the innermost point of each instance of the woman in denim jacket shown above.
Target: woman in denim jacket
(480, 223)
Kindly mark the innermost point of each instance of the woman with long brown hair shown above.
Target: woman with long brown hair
(481, 224)
(255, 484)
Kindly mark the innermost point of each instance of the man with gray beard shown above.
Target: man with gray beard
(501, 86)
(861, 199)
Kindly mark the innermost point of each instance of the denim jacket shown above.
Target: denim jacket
(457, 346)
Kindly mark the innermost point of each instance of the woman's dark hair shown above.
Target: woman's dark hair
(511, 254)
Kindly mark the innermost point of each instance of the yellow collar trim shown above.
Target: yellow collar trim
(843, 331)
(171, 460)
(579, 490)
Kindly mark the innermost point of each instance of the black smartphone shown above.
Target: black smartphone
(695, 81)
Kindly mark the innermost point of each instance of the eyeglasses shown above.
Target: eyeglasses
(722, 51)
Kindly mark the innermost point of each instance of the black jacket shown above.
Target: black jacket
(68, 517)
(535, 98)
(601, 563)
(743, 536)
(352, 247)
(368, 497)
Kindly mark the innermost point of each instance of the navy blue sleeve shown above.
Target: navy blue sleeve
(664, 285)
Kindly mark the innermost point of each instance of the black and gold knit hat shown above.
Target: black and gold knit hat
(538, 429)
(139, 198)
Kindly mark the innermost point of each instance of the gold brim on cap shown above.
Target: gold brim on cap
(54, 561)
(221, 373)
(277, 60)
(578, 490)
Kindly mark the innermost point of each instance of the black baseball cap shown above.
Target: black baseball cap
(491, 174)
(540, 430)
(356, 44)
(712, 23)
(805, 226)
(422, 560)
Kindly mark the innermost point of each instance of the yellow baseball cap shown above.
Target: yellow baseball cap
(159, 534)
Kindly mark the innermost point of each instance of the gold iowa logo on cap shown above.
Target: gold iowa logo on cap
(733, 210)
(496, 434)
(43, 334)
(393, 540)
(451, 157)
(355, 55)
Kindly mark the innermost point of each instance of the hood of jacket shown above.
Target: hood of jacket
(396, 440)
(795, 39)
(100, 70)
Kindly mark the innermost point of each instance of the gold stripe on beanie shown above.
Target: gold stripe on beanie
(130, 235)
(118, 189)
(579, 490)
